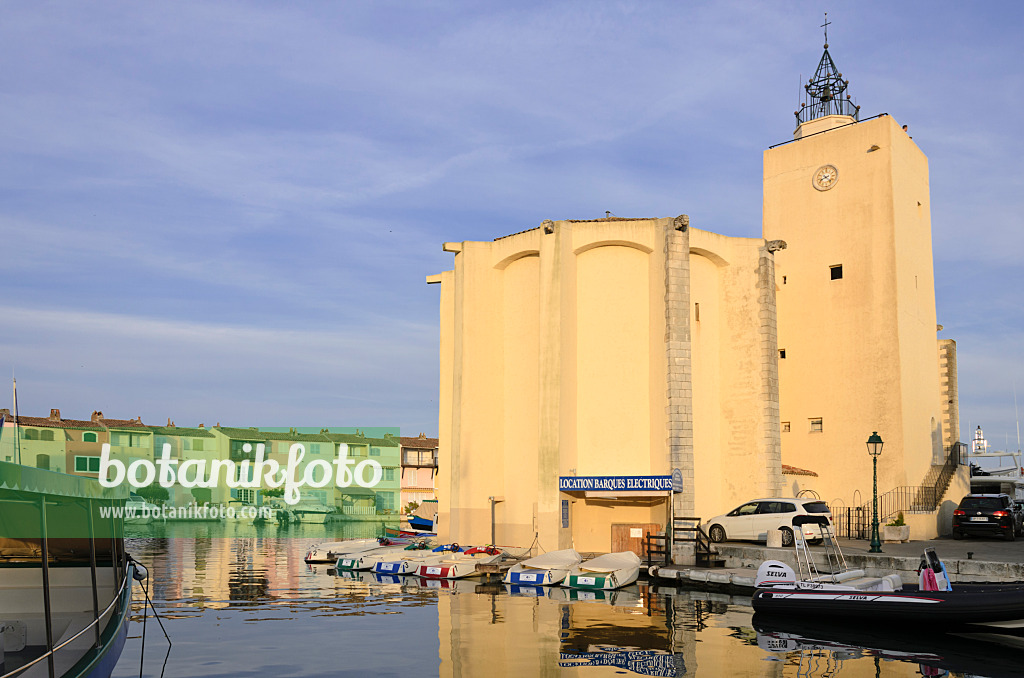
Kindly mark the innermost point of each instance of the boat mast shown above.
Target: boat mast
(1016, 415)
(17, 438)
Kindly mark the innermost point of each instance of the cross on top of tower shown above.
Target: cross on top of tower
(825, 26)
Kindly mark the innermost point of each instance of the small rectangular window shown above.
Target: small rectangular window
(836, 271)
(782, 353)
(197, 444)
(696, 311)
(87, 464)
(816, 426)
(785, 427)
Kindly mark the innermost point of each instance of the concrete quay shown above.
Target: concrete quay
(969, 560)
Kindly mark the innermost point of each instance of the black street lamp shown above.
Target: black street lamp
(874, 449)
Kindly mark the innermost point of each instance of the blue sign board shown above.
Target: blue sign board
(615, 483)
(643, 662)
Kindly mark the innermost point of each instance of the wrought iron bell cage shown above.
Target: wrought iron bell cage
(824, 93)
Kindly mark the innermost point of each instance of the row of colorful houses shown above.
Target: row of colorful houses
(74, 446)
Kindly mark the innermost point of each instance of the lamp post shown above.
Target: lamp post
(874, 449)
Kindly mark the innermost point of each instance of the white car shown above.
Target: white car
(754, 519)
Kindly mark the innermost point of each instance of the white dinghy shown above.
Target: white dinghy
(366, 559)
(410, 559)
(459, 565)
(328, 552)
(544, 570)
(610, 571)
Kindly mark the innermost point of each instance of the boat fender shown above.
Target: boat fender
(927, 580)
(774, 572)
(140, 573)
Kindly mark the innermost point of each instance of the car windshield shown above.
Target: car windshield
(981, 503)
(816, 507)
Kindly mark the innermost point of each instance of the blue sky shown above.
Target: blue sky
(225, 212)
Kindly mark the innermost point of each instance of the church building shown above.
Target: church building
(598, 377)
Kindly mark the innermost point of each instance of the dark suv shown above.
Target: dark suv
(988, 514)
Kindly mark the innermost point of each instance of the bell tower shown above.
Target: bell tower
(857, 341)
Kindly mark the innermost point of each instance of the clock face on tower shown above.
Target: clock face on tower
(825, 177)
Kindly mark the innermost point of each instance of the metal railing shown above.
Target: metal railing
(94, 622)
(854, 522)
(819, 109)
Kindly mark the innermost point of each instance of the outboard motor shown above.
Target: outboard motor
(774, 572)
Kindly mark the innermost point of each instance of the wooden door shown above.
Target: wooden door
(630, 536)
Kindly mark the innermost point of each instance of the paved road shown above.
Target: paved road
(983, 548)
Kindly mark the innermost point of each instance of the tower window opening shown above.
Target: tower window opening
(836, 271)
(785, 427)
(783, 280)
(816, 426)
(696, 311)
(782, 353)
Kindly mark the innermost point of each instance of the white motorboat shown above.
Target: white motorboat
(854, 596)
(459, 565)
(138, 511)
(315, 514)
(1006, 477)
(610, 571)
(544, 570)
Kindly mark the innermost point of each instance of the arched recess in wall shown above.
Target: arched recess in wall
(521, 375)
(706, 338)
(612, 243)
(504, 263)
(708, 254)
(938, 451)
(613, 358)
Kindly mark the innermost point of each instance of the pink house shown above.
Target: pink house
(419, 468)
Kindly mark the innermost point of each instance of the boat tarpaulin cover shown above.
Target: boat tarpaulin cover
(76, 507)
(610, 562)
(555, 560)
(27, 479)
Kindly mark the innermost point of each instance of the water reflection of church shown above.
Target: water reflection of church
(636, 630)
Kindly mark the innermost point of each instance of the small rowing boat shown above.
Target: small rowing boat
(460, 565)
(544, 570)
(607, 572)
(409, 560)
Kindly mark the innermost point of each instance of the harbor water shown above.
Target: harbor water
(240, 601)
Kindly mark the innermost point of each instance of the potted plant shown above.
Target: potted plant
(896, 530)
